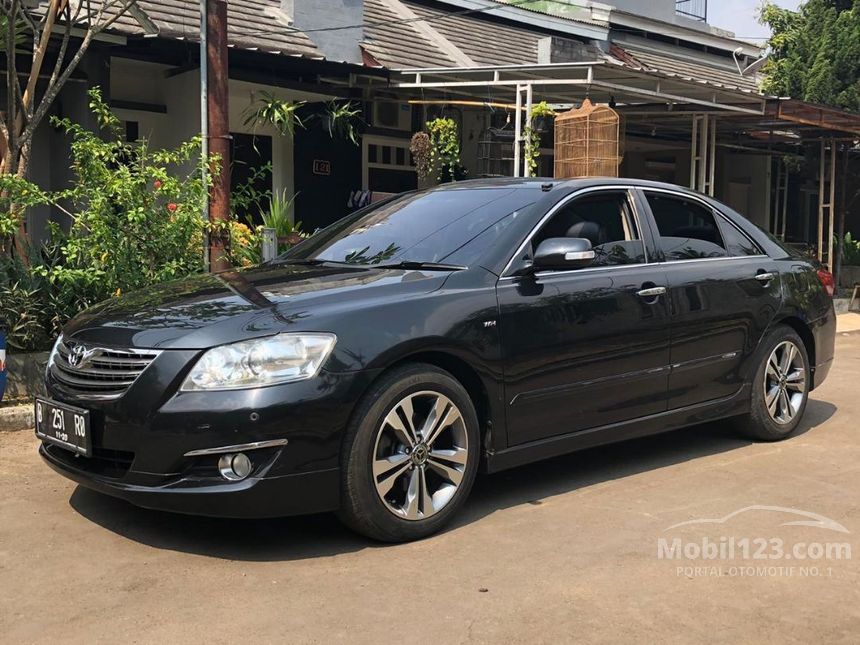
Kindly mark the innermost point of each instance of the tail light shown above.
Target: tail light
(827, 281)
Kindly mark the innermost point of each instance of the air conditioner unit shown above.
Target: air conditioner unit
(392, 115)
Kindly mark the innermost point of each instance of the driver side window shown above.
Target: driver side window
(605, 219)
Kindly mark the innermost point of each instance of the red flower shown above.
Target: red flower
(172, 207)
(157, 184)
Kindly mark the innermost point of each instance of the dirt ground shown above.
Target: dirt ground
(562, 551)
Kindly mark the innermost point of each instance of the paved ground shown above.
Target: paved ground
(557, 552)
(848, 322)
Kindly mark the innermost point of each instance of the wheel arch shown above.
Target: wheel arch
(464, 373)
(803, 330)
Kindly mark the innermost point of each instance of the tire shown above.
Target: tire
(781, 418)
(386, 466)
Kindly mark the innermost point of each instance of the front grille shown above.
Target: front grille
(104, 372)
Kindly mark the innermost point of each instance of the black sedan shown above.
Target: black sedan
(376, 367)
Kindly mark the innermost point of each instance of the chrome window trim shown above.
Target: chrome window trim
(714, 211)
(551, 273)
(631, 202)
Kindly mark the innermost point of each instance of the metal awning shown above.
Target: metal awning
(814, 116)
(603, 81)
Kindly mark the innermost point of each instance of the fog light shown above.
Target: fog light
(234, 467)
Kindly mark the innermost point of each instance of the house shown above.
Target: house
(688, 95)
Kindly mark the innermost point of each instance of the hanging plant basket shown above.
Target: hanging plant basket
(542, 123)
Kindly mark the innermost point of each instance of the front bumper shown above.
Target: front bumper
(141, 443)
(255, 497)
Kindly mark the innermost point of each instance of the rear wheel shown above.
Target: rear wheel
(410, 455)
(780, 388)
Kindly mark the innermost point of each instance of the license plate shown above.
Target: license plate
(65, 426)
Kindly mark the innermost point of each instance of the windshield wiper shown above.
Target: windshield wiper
(415, 265)
(313, 262)
(300, 261)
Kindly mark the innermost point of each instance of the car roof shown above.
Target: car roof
(549, 184)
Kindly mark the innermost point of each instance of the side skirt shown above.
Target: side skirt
(737, 403)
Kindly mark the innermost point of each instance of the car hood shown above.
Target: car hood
(212, 309)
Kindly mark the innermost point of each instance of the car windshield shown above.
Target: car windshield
(423, 227)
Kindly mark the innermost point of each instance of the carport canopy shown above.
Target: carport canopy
(564, 83)
(603, 81)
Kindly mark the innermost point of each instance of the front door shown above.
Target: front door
(582, 348)
(723, 293)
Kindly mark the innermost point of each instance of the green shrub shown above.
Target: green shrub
(39, 297)
(850, 251)
(136, 220)
(136, 212)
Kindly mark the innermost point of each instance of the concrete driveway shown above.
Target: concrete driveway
(562, 551)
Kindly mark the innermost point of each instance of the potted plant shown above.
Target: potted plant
(542, 116)
(444, 138)
(277, 217)
(849, 274)
(420, 148)
(541, 121)
(268, 109)
(341, 120)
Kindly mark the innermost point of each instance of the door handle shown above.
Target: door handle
(653, 292)
(764, 277)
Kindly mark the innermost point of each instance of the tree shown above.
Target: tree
(815, 52)
(32, 88)
(815, 56)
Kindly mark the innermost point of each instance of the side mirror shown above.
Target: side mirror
(563, 253)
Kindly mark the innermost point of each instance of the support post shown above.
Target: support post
(694, 152)
(776, 197)
(826, 201)
(219, 132)
(204, 122)
(703, 154)
(518, 130)
(821, 199)
(270, 244)
(832, 203)
(712, 154)
(527, 171)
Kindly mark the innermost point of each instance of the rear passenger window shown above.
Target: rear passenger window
(687, 230)
(737, 243)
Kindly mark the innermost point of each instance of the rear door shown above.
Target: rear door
(581, 347)
(723, 294)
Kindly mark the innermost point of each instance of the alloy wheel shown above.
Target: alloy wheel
(420, 455)
(784, 382)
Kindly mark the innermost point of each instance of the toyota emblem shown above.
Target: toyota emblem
(77, 355)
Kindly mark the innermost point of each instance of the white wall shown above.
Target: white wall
(147, 83)
(742, 182)
(657, 9)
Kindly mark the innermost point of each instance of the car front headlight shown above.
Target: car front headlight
(264, 361)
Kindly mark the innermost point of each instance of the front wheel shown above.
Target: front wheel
(780, 389)
(410, 455)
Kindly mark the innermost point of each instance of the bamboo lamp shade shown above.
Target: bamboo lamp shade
(586, 142)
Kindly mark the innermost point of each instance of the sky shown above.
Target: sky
(740, 16)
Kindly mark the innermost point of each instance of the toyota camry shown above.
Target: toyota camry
(375, 368)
